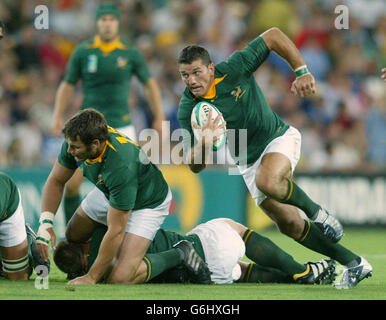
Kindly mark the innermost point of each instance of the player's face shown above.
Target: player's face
(81, 151)
(108, 27)
(197, 76)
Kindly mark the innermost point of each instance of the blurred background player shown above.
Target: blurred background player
(106, 65)
(19, 254)
(221, 243)
(273, 147)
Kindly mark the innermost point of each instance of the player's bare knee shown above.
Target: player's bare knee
(291, 227)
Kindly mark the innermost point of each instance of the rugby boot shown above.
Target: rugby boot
(329, 225)
(322, 272)
(352, 276)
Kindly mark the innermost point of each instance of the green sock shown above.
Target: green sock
(157, 263)
(298, 198)
(314, 239)
(264, 252)
(70, 204)
(260, 274)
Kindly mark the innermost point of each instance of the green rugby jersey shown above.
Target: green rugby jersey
(119, 173)
(9, 197)
(239, 98)
(106, 71)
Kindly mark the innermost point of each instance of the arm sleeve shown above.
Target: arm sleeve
(66, 159)
(73, 70)
(141, 69)
(249, 59)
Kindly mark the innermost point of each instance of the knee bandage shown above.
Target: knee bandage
(10, 266)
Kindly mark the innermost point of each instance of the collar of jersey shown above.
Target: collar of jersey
(211, 93)
(99, 158)
(107, 47)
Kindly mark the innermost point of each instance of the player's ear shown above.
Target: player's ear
(211, 68)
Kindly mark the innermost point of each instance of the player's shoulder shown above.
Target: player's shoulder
(83, 46)
(225, 68)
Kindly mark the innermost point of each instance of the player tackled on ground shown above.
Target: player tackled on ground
(221, 243)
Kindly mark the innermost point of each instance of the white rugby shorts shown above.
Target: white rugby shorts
(12, 230)
(223, 248)
(144, 222)
(288, 144)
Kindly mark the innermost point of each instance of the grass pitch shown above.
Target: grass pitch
(370, 243)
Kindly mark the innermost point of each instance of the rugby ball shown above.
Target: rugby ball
(200, 114)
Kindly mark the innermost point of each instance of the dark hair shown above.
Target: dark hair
(193, 53)
(68, 257)
(88, 124)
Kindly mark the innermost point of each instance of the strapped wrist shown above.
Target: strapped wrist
(47, 217)
(301, 71)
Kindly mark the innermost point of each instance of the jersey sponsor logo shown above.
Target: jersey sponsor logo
(121, 62)
(238, 93)
(92, 63)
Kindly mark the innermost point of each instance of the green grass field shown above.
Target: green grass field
(370, 243)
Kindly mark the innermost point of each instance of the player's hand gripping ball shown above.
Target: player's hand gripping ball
(200, 115)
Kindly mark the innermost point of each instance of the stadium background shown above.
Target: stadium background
(343, 128)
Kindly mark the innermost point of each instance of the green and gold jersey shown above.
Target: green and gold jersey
(237, 95)
(106, 71)
(123, 173)
(9, 197)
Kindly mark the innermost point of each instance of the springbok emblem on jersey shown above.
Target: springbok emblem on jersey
(238, 93)
(121, 62)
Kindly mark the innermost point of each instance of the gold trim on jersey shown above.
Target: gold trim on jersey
(99, 158)
(105, 47)
(212, 90)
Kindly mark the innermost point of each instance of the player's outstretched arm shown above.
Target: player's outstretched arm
(64, 94)
(51, 197)
(276, 40)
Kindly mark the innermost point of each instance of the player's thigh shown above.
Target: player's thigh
(80, 227)
(129, 257)
(274, 166)
(15, 261)
(72, 186)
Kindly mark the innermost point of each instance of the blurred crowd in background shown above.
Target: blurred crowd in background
(343, 127)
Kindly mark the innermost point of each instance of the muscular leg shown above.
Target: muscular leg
(72, 199)
(252, 272)
(265, 253)
(307, 234)
(129, 259)
(273, 179)
(16, 253)
(80, 227)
